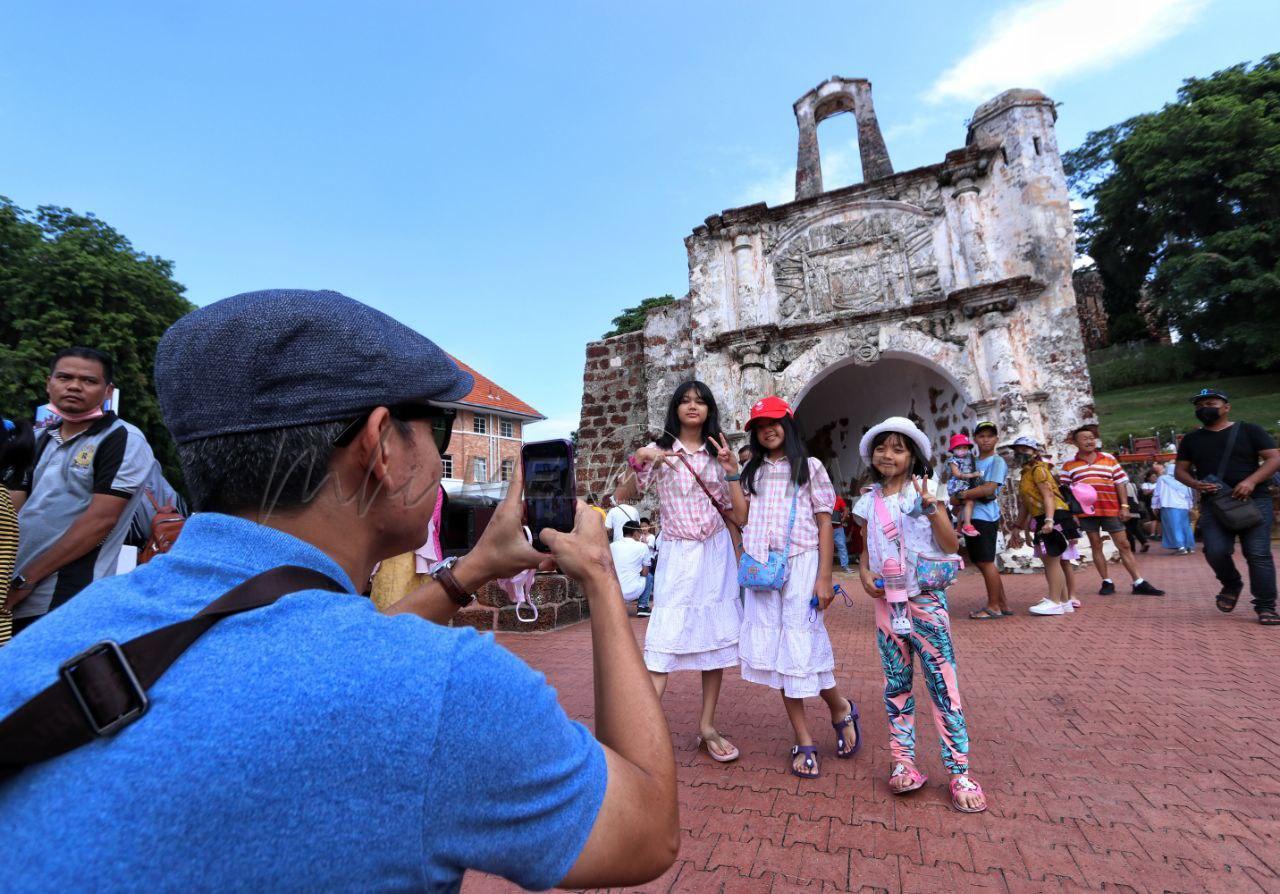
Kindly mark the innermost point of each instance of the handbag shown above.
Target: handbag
(771, 574)
(1235, 515)
(933, 571)
(166, 525)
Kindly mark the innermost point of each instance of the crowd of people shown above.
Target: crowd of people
(241, 680)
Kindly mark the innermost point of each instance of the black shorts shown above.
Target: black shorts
(1064, 522)
(983, 547)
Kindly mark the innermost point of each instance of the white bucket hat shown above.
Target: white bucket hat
(903, 426)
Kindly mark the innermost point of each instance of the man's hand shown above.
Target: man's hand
(1205, 487)
(502, 550)
(825, 591)
(17, 594)
(583, 553)
(1243, 490)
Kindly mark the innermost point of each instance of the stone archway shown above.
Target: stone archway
(840, 403)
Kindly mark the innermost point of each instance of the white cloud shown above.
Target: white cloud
(1042, 43)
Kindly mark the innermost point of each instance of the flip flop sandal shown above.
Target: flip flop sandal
(1268, 619)
(985, 614)
(964, 785)
(917, 778)
(810, 761)
(1226, 600)
(1008, 614)
(722, 758)
(850, 719)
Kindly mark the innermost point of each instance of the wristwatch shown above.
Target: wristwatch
(443, 574)
(17, 582)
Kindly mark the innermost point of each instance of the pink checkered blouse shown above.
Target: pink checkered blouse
(770, 507)
(687, 514)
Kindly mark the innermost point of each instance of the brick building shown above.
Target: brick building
(487, 437)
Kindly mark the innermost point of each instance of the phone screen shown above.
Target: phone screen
(550, 492)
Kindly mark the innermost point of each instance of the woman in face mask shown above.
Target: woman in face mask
(1054, 527)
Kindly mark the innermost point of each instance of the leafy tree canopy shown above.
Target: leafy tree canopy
(70, 279)
(1186, 210)
(632, 319)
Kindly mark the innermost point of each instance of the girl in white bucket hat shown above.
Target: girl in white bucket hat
(904, 521)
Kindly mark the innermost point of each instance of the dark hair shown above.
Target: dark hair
(591, 499)
(671, 427)
(644, 521)
(792, 445)
(17, 448)
(108, 368)
(919, 465)
(630, 528)
(1091, 428)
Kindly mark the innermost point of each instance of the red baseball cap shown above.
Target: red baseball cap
(771, 407)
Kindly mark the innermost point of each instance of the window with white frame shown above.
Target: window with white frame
(508, 467)
(506, 428)
(479, 471)
(447, 461)
(480, 424)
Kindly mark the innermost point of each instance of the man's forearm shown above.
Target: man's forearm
(628, 715)
(432, 603)
(983, 491)
(85, 533)
(1266, 470)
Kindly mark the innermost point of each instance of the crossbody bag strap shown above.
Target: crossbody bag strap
(892, 532)
(1226, 454)
(105, 687)
(706, 490)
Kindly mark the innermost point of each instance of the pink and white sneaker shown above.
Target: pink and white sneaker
(970, 531)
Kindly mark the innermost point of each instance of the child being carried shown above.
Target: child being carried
(964, 474)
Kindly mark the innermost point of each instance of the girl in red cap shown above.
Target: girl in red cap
(962, 467)
(784, 644)
(696, 612)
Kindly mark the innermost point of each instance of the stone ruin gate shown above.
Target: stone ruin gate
(943, 293)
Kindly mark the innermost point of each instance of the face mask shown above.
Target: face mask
(1208, 415)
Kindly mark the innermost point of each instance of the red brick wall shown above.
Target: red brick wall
(614, 410)
(466, 446)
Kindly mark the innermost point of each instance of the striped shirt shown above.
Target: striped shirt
(1103, 474)
(687, 514)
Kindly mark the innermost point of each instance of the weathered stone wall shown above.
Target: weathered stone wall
(559, 599)
(1087, 283)
(614, 411)
(963, 267)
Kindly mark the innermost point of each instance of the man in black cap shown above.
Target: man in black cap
(1240, 456)
(311, 742)
(986, 518)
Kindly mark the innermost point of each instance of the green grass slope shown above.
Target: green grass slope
(1141, 410)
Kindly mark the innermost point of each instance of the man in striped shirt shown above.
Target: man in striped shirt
(1104, 474)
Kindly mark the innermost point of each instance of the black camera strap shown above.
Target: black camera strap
(104, 688)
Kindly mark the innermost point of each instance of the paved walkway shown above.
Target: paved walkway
(1133, 746)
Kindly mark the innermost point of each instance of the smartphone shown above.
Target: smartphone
(550, 492)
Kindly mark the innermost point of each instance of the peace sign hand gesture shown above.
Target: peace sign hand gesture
(927, 498)
(727, 458)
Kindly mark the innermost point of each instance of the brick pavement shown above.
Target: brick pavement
(1132, 746)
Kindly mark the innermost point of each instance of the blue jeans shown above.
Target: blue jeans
(647, 595)
(1175, 525)
(1255, 543)
(842, 547)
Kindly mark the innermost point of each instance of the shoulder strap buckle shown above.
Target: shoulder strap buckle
(105, 687)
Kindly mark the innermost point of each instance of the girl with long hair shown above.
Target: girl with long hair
(784, 642)
(696, 613)
(904, 522)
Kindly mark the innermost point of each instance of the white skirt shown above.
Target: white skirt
(696, 611)
(779, 646)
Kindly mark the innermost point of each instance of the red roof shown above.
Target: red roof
(492, 396)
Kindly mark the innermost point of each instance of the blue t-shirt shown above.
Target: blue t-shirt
(993, 468)
(314, 744)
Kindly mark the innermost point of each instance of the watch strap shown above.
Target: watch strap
(452, 588)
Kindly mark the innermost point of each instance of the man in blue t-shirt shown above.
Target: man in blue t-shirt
(986, 518)
(316, 744)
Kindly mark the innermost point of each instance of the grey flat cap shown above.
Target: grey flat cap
(285, 357)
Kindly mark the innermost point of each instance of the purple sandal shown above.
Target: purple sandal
(810, 761)
(850, 719)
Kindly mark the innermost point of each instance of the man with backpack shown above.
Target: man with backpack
(1231, 464)
(1103, 474)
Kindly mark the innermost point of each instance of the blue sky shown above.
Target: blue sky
(506, 178)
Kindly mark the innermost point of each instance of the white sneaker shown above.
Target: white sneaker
(1047, 607)
(1068, 608)
(1075, 603)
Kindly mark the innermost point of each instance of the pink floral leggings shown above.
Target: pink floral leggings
(930, 639)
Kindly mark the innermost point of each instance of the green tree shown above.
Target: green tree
(632, 319)
(1186, 209)
(70, 279)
